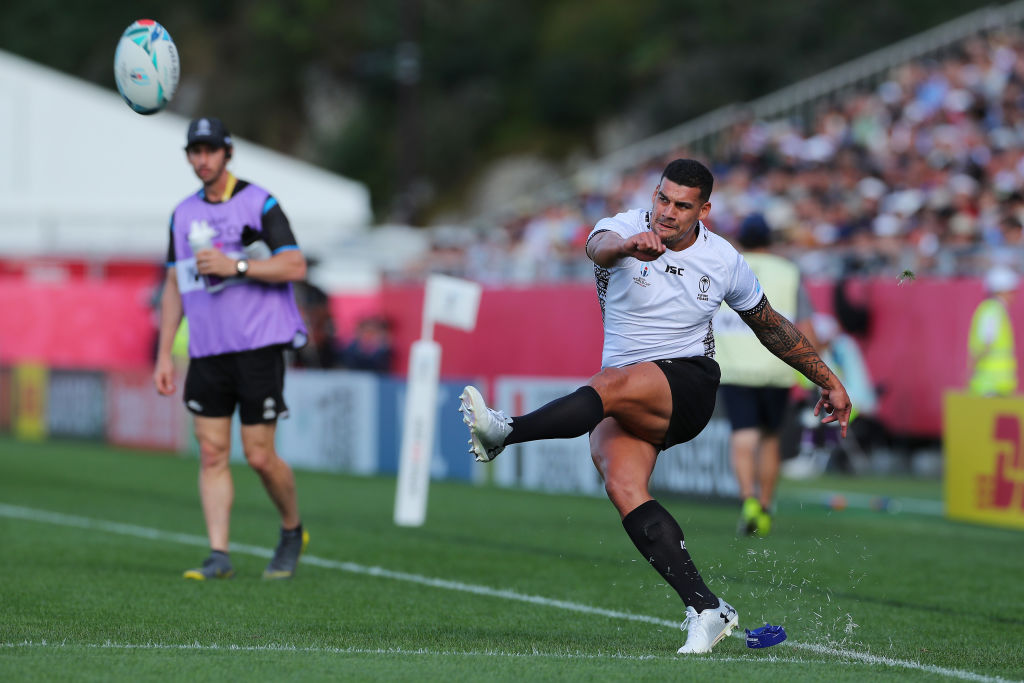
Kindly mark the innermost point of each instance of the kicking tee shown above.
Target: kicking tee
(663, 308)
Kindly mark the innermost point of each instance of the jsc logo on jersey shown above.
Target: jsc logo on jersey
(641, 280)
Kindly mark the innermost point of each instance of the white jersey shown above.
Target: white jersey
(663, 308)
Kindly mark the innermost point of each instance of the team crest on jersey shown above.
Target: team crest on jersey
(704, 285)
(642, 280)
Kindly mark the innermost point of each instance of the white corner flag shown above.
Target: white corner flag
(450, 301)
(447, 301)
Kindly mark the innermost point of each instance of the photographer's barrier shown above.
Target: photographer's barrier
(139, 417)
(984, 459)
(75, 404)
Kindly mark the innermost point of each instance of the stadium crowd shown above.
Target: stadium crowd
(922, 172)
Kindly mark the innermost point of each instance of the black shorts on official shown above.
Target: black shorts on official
(252, 380)
(755, 407)
(694, 385)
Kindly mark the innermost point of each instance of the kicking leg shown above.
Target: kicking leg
(626, 463)
(637, 395)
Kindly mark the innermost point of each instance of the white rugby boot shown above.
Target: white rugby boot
(488, 428)
(704, 630)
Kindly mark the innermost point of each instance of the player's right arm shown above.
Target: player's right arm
(788, 343)
(608, 247)
(170, 317)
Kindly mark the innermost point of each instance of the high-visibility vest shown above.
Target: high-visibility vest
(179, 349)
(742, 357)
(995, 368)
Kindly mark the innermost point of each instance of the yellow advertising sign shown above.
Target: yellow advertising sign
(983, 442)
(29, 406)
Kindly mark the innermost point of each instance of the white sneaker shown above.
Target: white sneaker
(488, 428)
(704, 630)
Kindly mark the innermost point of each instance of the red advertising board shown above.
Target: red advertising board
(916, 348)
(85, 325)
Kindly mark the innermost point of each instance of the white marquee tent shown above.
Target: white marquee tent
(83, 175)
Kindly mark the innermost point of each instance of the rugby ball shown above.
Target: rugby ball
(146, 66)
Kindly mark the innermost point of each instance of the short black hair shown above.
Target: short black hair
(691, 173)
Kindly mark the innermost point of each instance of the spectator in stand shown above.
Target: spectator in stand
(314, 305)
(912, 174)
(370, 348)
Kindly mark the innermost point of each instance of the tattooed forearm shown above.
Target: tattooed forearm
(782, 338)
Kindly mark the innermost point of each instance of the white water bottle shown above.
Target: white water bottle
(200, 236)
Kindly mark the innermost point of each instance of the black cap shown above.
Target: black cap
(754, 232)
(209, 130)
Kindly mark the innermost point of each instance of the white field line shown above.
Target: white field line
(60, 519)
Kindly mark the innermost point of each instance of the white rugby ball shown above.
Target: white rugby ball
(146, 66)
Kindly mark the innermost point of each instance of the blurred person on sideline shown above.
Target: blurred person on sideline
(242, 315)
(314, 306)
(756, 384)
(991, 361)
(819, 445)
(370, 347)
(661, 277)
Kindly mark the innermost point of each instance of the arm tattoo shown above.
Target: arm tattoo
(782, 338)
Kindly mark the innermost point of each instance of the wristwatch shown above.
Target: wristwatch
(242, 267)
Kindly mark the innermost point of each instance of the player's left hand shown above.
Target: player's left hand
(213, 261)
(835, 405)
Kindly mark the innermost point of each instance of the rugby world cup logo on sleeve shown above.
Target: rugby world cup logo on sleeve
(642, 280)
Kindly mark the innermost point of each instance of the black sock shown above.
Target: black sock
(565, 417)
(658, 538)
(292, 533)
(219, 554)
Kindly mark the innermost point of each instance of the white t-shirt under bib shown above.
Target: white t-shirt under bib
(663, 308)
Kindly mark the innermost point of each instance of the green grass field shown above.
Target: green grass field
(498, 585)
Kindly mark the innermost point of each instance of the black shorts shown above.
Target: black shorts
(252, 380)
(757, 407)
(694, 385)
